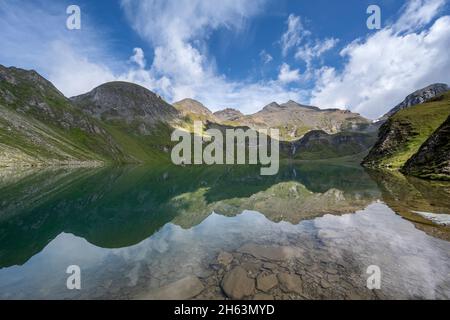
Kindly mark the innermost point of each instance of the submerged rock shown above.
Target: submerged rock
(224, 258)
(237, 285)
(262, 296)
(328, 234)
(265, 283)
(277, 253)
(290, 283)
(186, 288)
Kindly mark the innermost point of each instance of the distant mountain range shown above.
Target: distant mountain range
(120, 122)
(292, 119)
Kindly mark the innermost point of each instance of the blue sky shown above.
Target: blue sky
(235, 53)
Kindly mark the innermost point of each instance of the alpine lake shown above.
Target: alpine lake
(313, 231)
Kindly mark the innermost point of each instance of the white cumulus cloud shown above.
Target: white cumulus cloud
(178, 31)
(287, 75)
(390, 63)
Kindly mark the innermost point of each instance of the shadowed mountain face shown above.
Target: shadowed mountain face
(317, 145)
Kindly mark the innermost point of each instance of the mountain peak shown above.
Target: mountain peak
(189, 105)
(418, 97)
(228, 114)
(273, 106)
(189, 100)
(293, 104)
(125, 101)
(17, 76)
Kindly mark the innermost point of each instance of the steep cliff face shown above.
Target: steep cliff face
(401, 136)
(433, 158)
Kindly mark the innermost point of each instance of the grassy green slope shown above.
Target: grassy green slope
(39, 126)
(153, 148)
(417, 123)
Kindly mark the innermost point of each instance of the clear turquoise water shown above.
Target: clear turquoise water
(133, 230)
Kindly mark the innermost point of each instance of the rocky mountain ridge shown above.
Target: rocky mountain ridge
(291, 118)
(121, 122)
(228, 114)
(195, 110)
(418, 97)
(126, 102)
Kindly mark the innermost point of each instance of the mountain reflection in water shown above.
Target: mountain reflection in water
(135, 230)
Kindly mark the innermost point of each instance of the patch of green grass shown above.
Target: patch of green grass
(424, 119)
(152, 148)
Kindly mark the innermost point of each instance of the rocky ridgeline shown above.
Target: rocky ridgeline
(293, 120)
(195, 110)
(418, 97)
(127, 103)
(228, 114)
